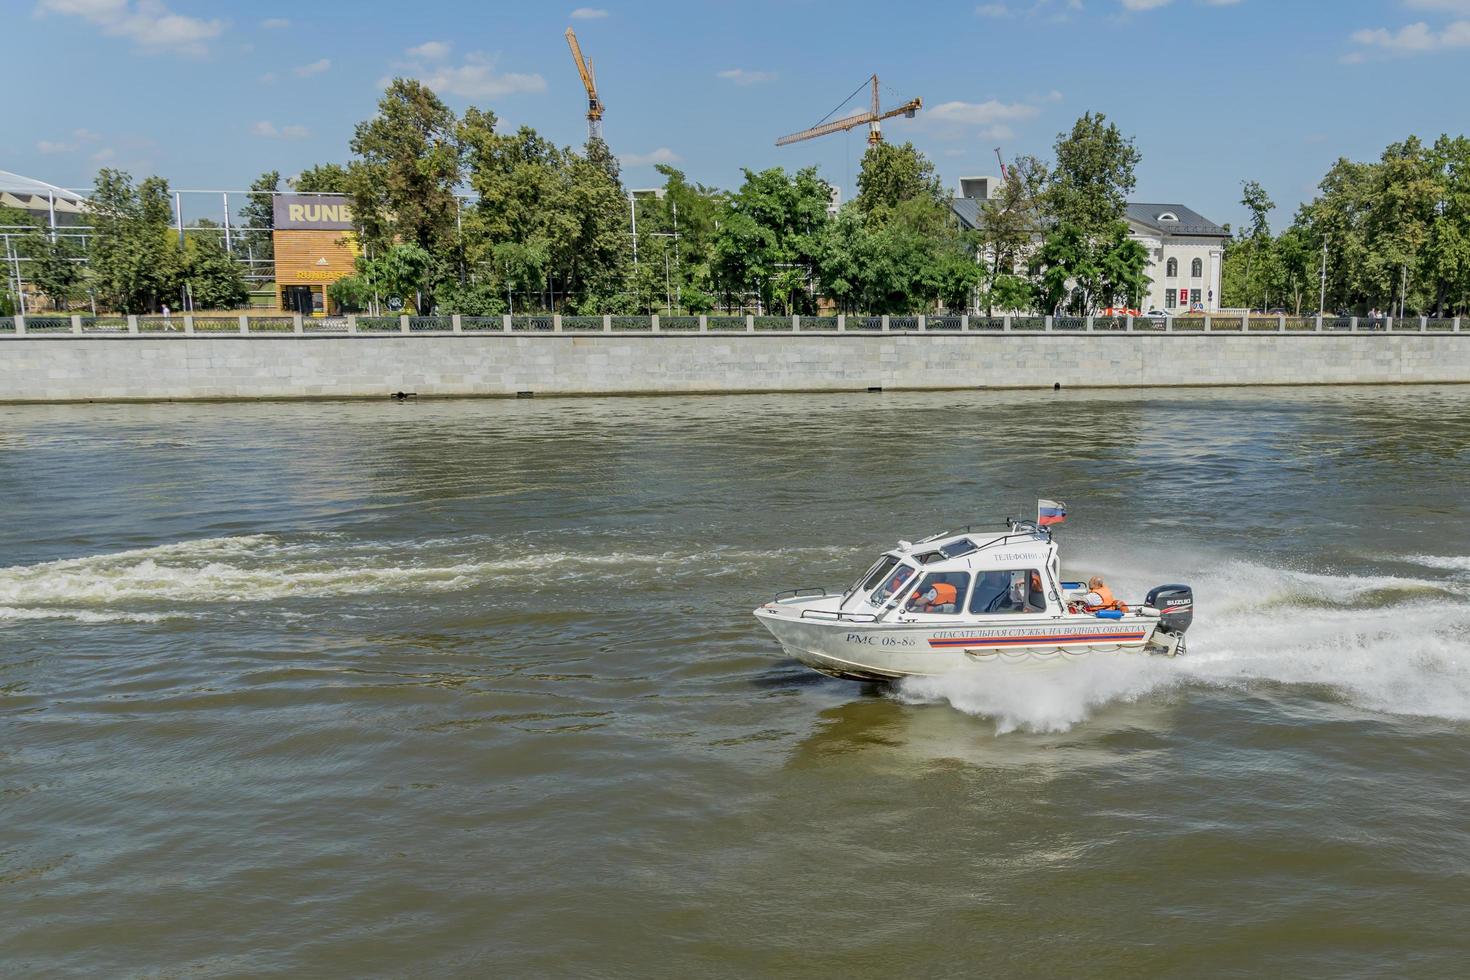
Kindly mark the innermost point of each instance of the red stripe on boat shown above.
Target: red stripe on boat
(978, 641)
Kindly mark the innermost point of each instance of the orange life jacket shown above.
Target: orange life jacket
(945, 594)
(1108, 602)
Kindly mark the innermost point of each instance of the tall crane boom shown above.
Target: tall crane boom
(589, 82)
(873, 117)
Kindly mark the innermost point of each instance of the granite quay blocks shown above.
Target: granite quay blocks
(178, 366)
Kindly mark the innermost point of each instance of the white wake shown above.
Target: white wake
(1392, 644)
(136, 585)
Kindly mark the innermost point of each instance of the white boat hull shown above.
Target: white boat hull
(890, 651)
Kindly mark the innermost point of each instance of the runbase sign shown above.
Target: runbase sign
(300, 212)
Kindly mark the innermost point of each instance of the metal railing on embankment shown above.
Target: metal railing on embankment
(278, 325)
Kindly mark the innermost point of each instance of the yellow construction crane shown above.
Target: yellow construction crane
(872, 117)
(589, 82)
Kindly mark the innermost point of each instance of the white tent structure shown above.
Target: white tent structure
(59, 205)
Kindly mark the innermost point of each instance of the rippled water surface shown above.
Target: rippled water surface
(473, 687)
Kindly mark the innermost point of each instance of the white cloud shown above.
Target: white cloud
(661, 155)
(79, 138)
(476, 78)
(268, 130)
(430, 51)
(986, 113)
(104, 154)
(1415, 38)
(1051, 11)
(743, 76)
(275, 23)
(588, 13)
(1144, 4)
(315, 68)
(268, 78)
(147, 23)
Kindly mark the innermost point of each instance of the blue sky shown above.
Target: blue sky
(1215, 91)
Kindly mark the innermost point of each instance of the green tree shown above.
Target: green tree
(1086, 259)
(597, 255)
(55, 266)
(259, 215)
(396, 272)
(1259, 204)
(1121, 276)
(212, 275)
(1009, 222)
(404, 182)
(769, 231)
(676, 233)
(891, 175)
(548, 224)
(324, 178)
(1405, 197)
(1251, 273)
(1447, 251)
(1093, 177)
(134, 255)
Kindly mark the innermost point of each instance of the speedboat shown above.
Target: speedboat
(982, 594)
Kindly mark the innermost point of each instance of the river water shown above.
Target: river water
(449, 688)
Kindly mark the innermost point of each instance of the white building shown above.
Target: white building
(1186, 253)
(1186, 250)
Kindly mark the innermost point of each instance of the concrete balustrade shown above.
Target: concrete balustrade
(314, 327)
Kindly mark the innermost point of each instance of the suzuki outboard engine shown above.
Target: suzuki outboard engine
(1175, 604)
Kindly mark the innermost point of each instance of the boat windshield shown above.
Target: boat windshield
(875, 575)
(891, 584)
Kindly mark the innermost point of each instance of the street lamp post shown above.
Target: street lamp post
(1322, 292)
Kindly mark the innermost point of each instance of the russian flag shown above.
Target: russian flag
(1049, 512)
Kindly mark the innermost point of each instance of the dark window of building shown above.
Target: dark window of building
(1169, 298)
(1197, 268)
(1171, 268)
(1194, 298)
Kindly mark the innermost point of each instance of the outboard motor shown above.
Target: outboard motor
(1175, 604)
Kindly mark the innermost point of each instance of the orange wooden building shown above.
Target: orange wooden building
(314, 246)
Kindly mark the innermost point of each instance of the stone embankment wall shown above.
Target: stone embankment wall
(61, 369)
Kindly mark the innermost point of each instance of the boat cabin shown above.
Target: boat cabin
(972, 572)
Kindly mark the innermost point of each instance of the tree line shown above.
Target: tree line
(1391, 234)
(454, 213)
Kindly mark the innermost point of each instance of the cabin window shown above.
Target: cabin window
(892, 584)
(929, 558)
(942, 593)
(879, 573)
(957, 548)
(1011, 591)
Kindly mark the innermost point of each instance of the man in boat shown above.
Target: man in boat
(938, 596)
(1099, 597)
